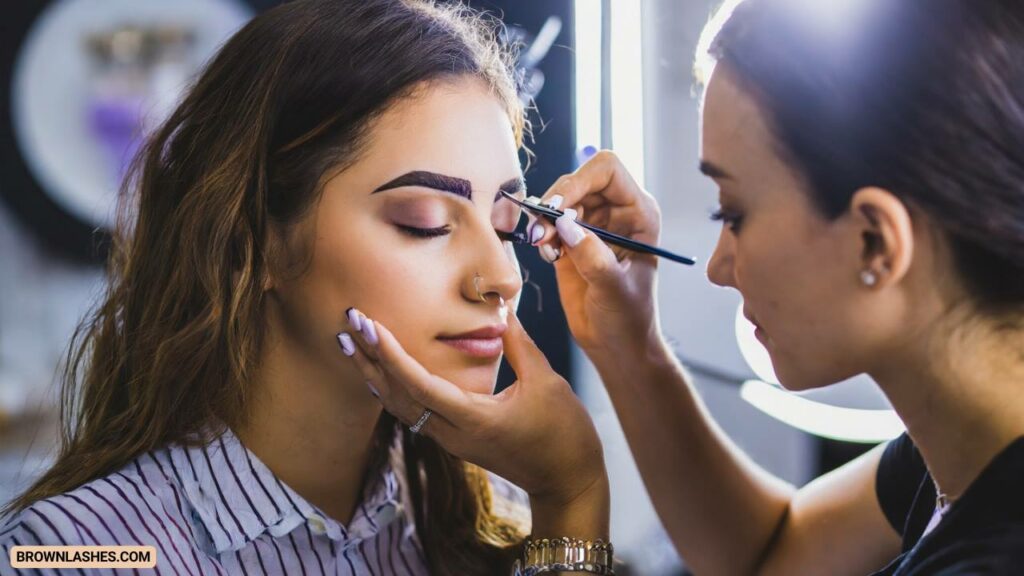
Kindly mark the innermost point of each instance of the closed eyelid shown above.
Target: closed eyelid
(421, 208)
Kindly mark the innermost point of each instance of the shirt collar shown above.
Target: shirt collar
(237, 498)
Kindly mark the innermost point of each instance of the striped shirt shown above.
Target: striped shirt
(218, 509)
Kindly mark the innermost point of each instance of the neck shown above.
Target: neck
(960, 399)
(311, 420)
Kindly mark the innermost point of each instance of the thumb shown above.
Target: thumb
(521, 352)
(594, 260)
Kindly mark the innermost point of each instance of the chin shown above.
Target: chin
(479, 379)
(803, 381)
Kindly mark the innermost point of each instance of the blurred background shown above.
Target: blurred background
(84, 80)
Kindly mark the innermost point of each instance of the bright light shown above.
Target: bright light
(705, 64)
(588, 73)
(627, 85)
(824, 420)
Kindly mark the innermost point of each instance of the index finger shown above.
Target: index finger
(523, 355)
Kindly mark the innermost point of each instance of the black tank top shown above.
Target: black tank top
(982, 533)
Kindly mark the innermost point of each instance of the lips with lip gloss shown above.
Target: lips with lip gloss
(483, 343)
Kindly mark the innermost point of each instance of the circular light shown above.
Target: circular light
(824, 420)
(52, 86)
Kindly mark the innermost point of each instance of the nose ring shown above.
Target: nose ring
(476, 284)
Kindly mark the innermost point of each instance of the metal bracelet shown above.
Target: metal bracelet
(566, 555)
(578, 567)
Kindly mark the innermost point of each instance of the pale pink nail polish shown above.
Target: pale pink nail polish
(353, 319)
(549, 254)
(536, 232)
(556, 201)
(346, 343)
(370, 332)
(570, 232)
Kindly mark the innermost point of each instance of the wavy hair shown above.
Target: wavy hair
(170, 350)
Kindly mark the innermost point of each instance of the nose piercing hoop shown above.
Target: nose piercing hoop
(476, 284)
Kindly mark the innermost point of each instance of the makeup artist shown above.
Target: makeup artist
(872, 204)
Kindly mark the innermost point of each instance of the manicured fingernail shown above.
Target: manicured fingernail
(536, 232)
(370, 332)
(353, 319)
(533, 200)
(372, 389)
(570, 232)
(346, 343)
(556, 201)
(549, 254)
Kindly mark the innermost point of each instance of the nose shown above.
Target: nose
(721, 266)
(494, 272)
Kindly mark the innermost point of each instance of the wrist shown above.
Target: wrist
(632, 357)
(584, 515)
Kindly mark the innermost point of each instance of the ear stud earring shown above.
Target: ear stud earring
(868, 278)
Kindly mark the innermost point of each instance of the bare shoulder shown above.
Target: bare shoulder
(835, 525)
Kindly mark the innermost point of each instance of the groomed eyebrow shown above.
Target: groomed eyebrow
(458, 186)
(712, 171)
(432, 180)
(512, 187)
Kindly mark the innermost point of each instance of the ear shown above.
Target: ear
(887, 231)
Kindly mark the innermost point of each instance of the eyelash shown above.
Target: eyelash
(514, 237)
(730, 219)
(425, 232)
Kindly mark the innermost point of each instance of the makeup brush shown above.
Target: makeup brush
(608, 237)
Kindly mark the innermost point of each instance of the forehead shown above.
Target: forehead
(459, 127)
(734, 134)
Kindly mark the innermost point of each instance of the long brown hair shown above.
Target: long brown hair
(171, 348)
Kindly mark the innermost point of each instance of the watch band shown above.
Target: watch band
(565, 555)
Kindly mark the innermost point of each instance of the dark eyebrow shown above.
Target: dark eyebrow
(432, 180)
(512, 187)
(712, 171)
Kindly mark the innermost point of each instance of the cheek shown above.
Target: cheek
(369, 270)
(397, 286)
(765, 270)
(796, 291)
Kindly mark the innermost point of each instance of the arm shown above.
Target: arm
(725, 514)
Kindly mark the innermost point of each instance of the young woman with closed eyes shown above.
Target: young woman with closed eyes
(334, 154)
